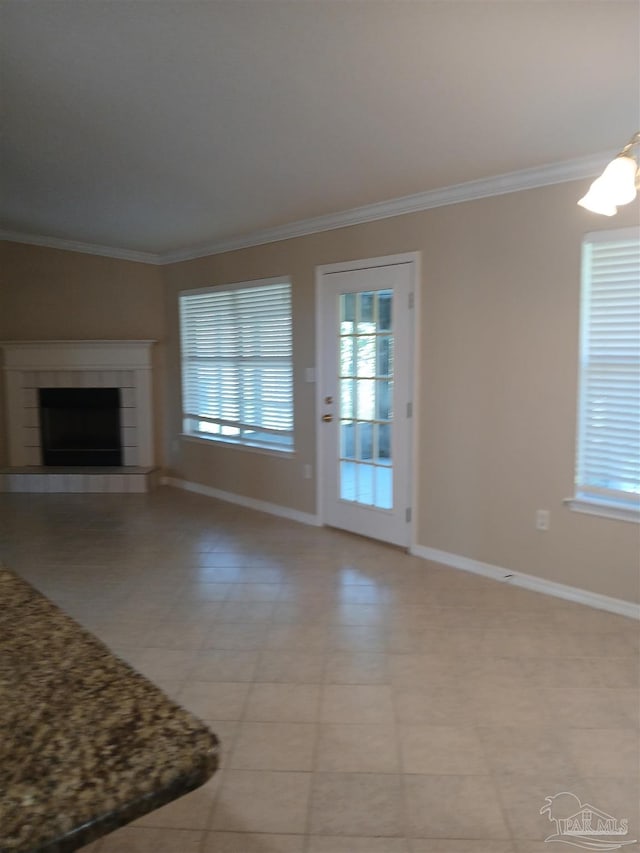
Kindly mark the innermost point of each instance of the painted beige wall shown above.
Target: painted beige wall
(497, 363)
(49, 294)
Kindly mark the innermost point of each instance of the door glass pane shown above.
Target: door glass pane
(346, 357)
(366, 355)
(347, 440)
(385, 356)
(384, 487)
(384, 311)
(365, 484)
(366, 398)
(347, 399)
(383, 399)
(384, 444)
(365, 435)
(366, 317)
(347, 313)
(348, 481)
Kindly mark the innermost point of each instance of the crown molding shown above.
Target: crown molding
(77, 246)
(510, 182)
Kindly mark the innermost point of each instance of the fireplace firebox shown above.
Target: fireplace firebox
(80, 426)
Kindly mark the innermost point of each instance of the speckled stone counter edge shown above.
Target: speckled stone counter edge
(31, 625)
(84, 835)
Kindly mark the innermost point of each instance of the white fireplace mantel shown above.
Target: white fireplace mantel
(123, 364)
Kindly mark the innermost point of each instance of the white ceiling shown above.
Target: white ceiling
(156, 126)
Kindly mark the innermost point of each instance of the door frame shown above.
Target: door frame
(413, 259)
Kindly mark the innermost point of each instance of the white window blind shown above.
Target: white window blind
(608, 463)
(237, 377)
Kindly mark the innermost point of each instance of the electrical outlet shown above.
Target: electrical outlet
(307, 472)
(542, 519)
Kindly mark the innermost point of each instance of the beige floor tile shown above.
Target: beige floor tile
(246, 611)
(356, 703)
(214, 700)
(147, 840)
(526, 750)
(437, 641)
(592, 708)
(506, 706)
(432, 671)
(356, 803)
(345, 613)
(522, 796)
(618, 797)
(301, 613)
(422, 845)
(113, 633)
(205, 592)
(283, 703)
(243, 842)
(191, 589)
(274, 746)
(224, 665)
(163, 664)
(262, 801)
(356, 668)
(177, 634)
(298, 638)
(242, 636)
(254, 592)
(590, 620)
(441, 750)
(496, 673)
(358, 638)
(582, 672)
(438, 706)
(604, 752)
(356, 748)
(453, 807)
(353, 844)
(370, 594)
(291, 667)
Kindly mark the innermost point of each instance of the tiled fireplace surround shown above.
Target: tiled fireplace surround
(30, 365)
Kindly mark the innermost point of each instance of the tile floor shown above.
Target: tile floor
(367, 701)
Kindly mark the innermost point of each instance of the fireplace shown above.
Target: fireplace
(80, 426)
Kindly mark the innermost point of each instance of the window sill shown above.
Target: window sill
(281, 453)
(602, 509)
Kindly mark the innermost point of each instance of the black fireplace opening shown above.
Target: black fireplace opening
(80, 426)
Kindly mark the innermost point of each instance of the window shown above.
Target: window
(608, 447)
(237, 377)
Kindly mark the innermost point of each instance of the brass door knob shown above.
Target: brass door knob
(327, 418)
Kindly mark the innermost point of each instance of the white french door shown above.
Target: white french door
(365, 360)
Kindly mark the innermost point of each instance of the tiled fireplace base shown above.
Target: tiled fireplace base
(115, 364)
(39, 479)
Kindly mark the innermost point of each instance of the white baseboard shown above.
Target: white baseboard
(547, 587)
(241, 500)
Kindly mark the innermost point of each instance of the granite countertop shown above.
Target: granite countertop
(86, 743)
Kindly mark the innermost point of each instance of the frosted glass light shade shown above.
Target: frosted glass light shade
(615, 186)
(598, 200)
(620, 179)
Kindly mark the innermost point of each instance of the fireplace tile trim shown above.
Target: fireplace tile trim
(29, 365)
